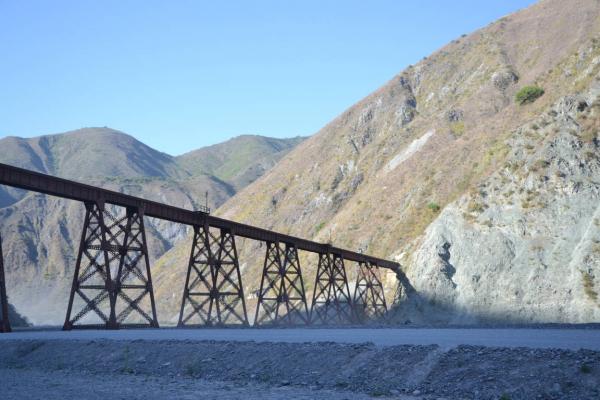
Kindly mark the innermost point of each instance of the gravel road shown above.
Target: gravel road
(572, 339)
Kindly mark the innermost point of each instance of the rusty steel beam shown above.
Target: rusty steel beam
(47, 184)
(4, 320)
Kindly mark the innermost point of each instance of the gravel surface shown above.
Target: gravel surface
(179, 369)
(563, 338)
(60, 385)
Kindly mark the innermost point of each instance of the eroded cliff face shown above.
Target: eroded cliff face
(524, 245)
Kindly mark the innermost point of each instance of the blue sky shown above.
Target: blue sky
(179, 75)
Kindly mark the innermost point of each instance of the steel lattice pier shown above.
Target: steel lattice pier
(112, 281)
(369, 297)
(281, 297)
(332, 303)
(213, 293)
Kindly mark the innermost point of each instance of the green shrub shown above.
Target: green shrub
(528, 94)
(319, 227)
(586, 369)
(457, 128)
(435, 207)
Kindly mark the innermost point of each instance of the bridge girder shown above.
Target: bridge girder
(54, 186)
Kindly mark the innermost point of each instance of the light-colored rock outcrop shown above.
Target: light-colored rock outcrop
(524, 247)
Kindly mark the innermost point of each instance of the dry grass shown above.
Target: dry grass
(590, 128)
(589, 287)
(457, 128)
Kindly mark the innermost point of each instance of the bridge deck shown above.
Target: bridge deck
(51, 185)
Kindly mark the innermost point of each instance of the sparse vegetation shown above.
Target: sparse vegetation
(539, 165)
(585, 369)
(588, 286)
(337, 179)
(341, 384)
(590, 126)
(127, 369)
(319, 227)
(433, 206)
(526, 204)
(528, 94)
(457, 128)
(193, 369)
(377, 392)
(476, 206)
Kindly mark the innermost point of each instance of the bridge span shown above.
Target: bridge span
(112, 279)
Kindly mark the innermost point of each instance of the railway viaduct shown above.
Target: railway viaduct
(112, 280)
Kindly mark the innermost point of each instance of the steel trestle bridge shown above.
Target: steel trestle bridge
(112, 279)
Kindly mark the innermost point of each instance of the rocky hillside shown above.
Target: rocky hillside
(404, 158)
(524, 245)
(40, 233)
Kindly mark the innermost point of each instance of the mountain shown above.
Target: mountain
(240, 160)
(485, 201)
(89, 152)
(40, 233)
